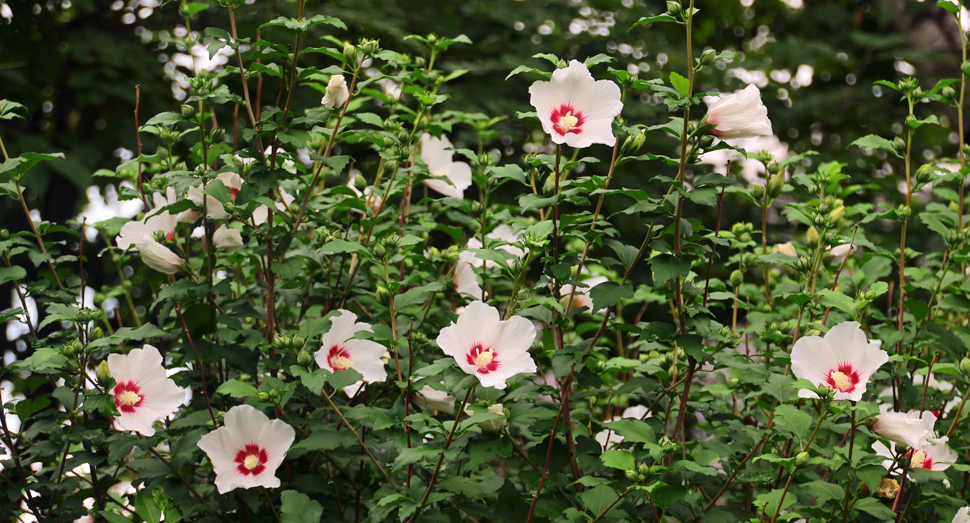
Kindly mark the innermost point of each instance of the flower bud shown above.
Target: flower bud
(836, 215)
(297, 342)
(737, 278)
(217, 135)
(638, 140)
(912, 122)
(229, 207)
(757, 192)
(245, 377)
(707, 57)
(775, 184)
(282, 341)
(632, 476)
(384, 296)
(900, 145)
(811, 237)
(84, 315)
(4, 234)
(498, 424)
(764, 157)
(350, 52)
(965, 367)
(965, 67)
(380, 251)
(188, 111)
(360, 183)
(103, 374)
(95, 334)
(304, 358)
(903, 212)
(925, 173)
(674, 8)
(73, 348)
(262, 396)
(802, 458)
(949, 94)
(370, 47)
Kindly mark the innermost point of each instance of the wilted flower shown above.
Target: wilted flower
(906, 428)
(843, 360)
(227, 239)
(339, 350)
(488, 348)
(143, 392)
(787, 249)
(839, 251)
(466, 281)
(576, 110)
(337, 92)
(739, 115)
(159, 257)
(248, 449)
(458, 175)
(888, 488)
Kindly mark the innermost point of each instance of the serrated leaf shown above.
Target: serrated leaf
(618, 459)
(876, 142)
(299, 508)
(794, 420)
(237, 389)
(681, 84)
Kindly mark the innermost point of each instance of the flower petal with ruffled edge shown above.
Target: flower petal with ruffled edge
(451, 177)
(489, 349)
(843, 360)
(227, 239)
(337, 92)
(339, 350)
(143, 391)
(962, 516)
(247, 450)
(466, 281)
(159, 257)
(575, 109)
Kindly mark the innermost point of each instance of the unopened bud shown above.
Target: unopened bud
(245, 377)
(95, 334)
(925, 173)
(802, 458)
(495, 425)
(282, 341)
(775, 184)
(304, 358)
(380, 251)
(384, 296)
(737, 278)
(948, 93)
(674, 8)
(965, 67)
(297, 342)
(632, 476)
(707, 57)
(370, 47)
(903, 212)
(811, 237)
(965, 367)
(262, 396)
(360, 183)
(4, 234)
(229, 207)
(188, 111)
(350, 53)
(757, 192)
(104, 373)
(638, 140)
(900, 145)
(912, 122)
(73, 348)
(836, 215)
(217, 135)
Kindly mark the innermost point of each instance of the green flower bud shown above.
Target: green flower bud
(304, 358)
(674, 8)
(903, 212)
(4, 234)
(104, 374)
(360, 183)
(948, 93)
(297, 342)
(965, 67)
(775, 184)
(836, 215)
(262, 396)
(764, 157)
(282, 341)
(733, 382)
(384, 296)
(95, 334)
(244, 377)
(802, 458)
(912, 122)
(632, 476)
(73, 348)
(188, 111)
(217, 135)
(925, 173)
(900, 145)
(84, 315)
(811, 237)
(757, 192)
(638, 140)
(737, 278)
(370, 47)
(350, 52)
(380, 251)
(707, 57)
(229, 207)
(965, 367)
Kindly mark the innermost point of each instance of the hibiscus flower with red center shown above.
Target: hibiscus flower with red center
(575, 109)
(844, 360)
(143, 391)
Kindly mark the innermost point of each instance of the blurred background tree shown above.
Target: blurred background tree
(75, 65)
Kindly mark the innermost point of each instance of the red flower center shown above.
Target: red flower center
(486, 359)
(251, 460)
(843, 379)
(127, 397)
(339, 358)
(919, 459)
(566, 120)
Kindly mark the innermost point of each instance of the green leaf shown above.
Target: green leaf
(681, 84)
(237, 389)
(341, 246)
(950, 7)
(796, 421)
(633, 430)
(666, 267)
(770, 501)
(607, 294)
(12, 273)
(416, 295)
(618, 459)
(874, 508)
(43, 360)
(664, 18)
(299, 508)
(146, 508)
(830, 298)
(192, 8)
(876, 142)
(598, 499)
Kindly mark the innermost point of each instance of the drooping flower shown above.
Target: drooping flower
(936, 455)
(159, 257)
(247, 450)
(143, 391)
(214, 207)
(337, 92)
(5, 11)
(339, 350)
(155, 222)
(607, 438)
(787, 249)
(843, 360)
(488, 348)
(227, 239)
(576, 110)
(906, 428)
(739, 115)
(501, 233)
(466, 281)
(451, 178)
